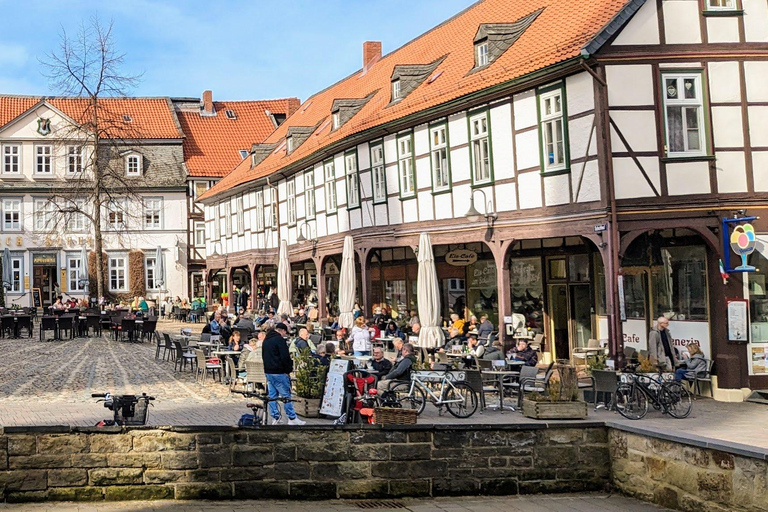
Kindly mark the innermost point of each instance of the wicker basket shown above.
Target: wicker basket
(394, 416)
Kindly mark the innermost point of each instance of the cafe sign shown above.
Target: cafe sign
(461, 258)
(44, 259)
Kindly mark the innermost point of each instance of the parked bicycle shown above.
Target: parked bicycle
(634, 393)
(457, 396)
(128, 409)
(260, 410)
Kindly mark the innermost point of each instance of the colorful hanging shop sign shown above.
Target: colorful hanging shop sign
(739, 237)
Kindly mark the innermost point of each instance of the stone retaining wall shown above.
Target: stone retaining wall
(686, 477)
(304, 463)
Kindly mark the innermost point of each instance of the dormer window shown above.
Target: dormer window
(133, 165)
(336, 120)
(289, 144)
(396, 90)
(481, 54)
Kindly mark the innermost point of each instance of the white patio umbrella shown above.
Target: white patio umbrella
(7, 272)
(347, 284)
(159, 268)
(83, 277)
(284, 281)
(428, 296)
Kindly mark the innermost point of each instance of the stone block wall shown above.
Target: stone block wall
(305, 463)
(685, 477)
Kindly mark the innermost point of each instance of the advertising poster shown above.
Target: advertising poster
(759, 357)
(738, 320)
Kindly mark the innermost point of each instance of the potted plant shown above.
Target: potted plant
(560, 398)
(310, 380)
(595, 363)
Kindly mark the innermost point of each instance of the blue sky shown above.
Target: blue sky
(254, 49)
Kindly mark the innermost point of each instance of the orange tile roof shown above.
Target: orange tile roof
(212, 142)
(151, 118)
(559, 33)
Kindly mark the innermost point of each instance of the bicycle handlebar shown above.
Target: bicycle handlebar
(99, 395)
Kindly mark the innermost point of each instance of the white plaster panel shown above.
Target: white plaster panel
(529, 184)
(527, 148)
(333, 224)
(579, 93)
(758, 126)
(643, 28)
(461, 195)
(363, 156)
(344, 220)
(319, 176)
(724, 82)
(425, 206)
(460, 164)
(457, 129)
(629, 85)
(590, 182)
(726, 127)
(688, 178)
(356, 218)
(421, 140)
(501, 143)
(410, 210)
(390, 149)
(756, 76)
(301, 207)
(556, 189)
(722, 30)
(320, 199)
(423, 172)
(638, 128)
(681, 21)
(395, 215)
(731, 172)
(381, 214)
(630, 182)
(526, 114)
(505, 197)
(755, 20)
(443, 206)
(366, 185)
(393, 180)
(579, 131)
(760, 170)
(367, 213)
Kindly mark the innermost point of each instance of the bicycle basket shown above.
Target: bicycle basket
(132, 410)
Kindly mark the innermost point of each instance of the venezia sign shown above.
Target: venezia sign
(461, 258)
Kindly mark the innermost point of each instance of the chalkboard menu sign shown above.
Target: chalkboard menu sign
(333, 398)
(36, 301)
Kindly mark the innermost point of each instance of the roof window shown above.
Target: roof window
(289, 144)
(493, 39)
(243, 153)
(407, 77)
(344, 109)
(396, 90)
(127, 118)
(230, 114)
(336, 120)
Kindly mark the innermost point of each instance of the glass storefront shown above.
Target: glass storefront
(758, 313)
(482, 294)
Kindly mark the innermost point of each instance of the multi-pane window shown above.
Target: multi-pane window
(44, 215)
(150, 264)
(216, 223)
(43, 159)
(115, 215)
(438, 142)
(74, 273)
(335, 120)
(75, 217)
(74, 159)
(552, 125)
(240, 213)
(270, 211)
(684, 114)
(117, 271)
(353, 186)
(396, 92)
(378, 174)
(721, 5)
(17, 271)
(199, 234)
(290, 186)
(405, 166)
(226, 229)
(12, 214)
(133, 165)
(330, 187)
(309, 194)
(480, 148)
(259, 210)
(11, 159)
(153, 210)
(289, 144)
(482, 58)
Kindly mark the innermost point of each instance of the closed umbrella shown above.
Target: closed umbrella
(159, 268)
(347, 284)
(428, 296)
(83, 277)
(284, 291)
(7, 274)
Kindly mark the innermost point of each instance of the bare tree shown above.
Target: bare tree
(86, 71)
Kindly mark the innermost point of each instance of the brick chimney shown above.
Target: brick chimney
(207, 103)
(371, 53)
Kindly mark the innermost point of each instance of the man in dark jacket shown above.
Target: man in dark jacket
(400, 371)
(525, 353)
(495, 352)
(380, 364)
(278, 366)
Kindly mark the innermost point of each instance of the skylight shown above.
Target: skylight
(230, 114)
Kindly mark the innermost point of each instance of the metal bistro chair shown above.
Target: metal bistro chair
(24, 322)
(204, 367)
(47, 323)
(147, 329)
(127, 326)
(159, 344)
(67, 324)
(705, 376)
(606, 382)
(93, 322)
(527, 382)
(482, 385)
(7, 326)
(169, 352)
(182, 356)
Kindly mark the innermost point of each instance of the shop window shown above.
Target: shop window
(395, 295)
(527, 291)
(680, 284)
(634, 295)
(758, 298)
(599, 284)
(557, 269)
(578, 268)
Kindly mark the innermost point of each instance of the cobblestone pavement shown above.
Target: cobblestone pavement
(554, 503)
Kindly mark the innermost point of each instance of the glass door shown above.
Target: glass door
(581, 314)
(558, 314)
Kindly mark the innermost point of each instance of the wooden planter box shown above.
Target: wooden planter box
(576, 410)
(307, 407)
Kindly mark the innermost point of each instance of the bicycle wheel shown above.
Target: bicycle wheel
(415, 400)
(677, 399)
(468, 404)
(630, 401)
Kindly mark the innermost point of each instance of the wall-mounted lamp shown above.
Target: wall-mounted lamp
(301, 239)
(473, 215)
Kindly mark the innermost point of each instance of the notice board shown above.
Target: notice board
(36, 300)
(332, 403)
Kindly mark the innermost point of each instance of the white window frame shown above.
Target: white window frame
(115, 216)
(734, 6)
(378, 174)
(243, 153)
(685, 106)
(77, 222)
(309, 194)
(405, 166)
(12, 159)
(44, 215)
(352, 180)
(259, 210)
(12, 206)
(153, 213)
(74, 266)
(239, 215)
(118, 272)
(482, 56)
(17, 274)
(396, 90)
(199, 229)
(550, 122)
(130, 169)
(290, 193)
(150, 279)
(329, 171)
(226, 229)
(480, 148)
(43, 160)
(335, 120)
(74, 160)
(269, 207)
(439, 158)
(289, 144)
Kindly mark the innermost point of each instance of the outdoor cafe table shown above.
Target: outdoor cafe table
(386, 341)
(224, 354)
(16, 322)
(500, 375)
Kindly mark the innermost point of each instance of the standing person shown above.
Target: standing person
(242, 300)
(660, 346)
(361, 338)
(274, 300)
(278, 366)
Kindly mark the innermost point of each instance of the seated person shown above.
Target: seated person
(393, 331)
(245, 322)
(234, 342)
(689, 368)
(301, 317)
(522, 352)
(323, 356)
(457, 323)
(454, 338)
(414, 336)
(495, 352)
(216, 324)
(302, 342)
(379, 363)
(475, 349)
(374, 330)
(484, 329)
(400, 371)
(398, 344)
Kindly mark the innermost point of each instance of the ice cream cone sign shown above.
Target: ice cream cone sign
(743, 242)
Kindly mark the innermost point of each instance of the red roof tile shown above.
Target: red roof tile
(212, 143)
(559, 33)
